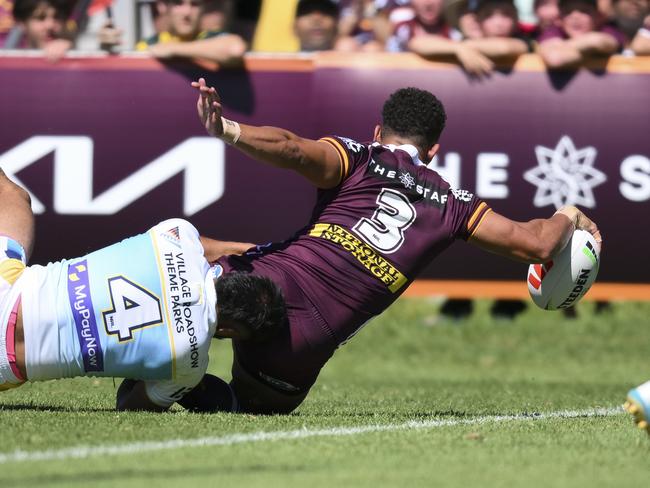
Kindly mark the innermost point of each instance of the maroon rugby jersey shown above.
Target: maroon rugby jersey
(367, 238)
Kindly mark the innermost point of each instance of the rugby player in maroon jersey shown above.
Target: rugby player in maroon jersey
(381, 216)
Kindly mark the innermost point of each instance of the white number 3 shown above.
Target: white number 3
(133, 308)
(385, 229)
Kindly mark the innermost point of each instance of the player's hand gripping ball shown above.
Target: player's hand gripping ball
(562, 282)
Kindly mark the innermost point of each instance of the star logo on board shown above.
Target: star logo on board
(565, 175)
(407, 180)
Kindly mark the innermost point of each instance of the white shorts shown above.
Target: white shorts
(12, 265)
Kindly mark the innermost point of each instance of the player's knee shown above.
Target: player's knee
(260, 399)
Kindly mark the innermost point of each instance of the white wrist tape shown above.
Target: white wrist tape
(571, 212)
(231, 131)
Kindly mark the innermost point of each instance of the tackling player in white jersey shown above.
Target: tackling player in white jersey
(144, 309)
(638, 404)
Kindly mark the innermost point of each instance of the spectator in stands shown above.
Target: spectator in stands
(500, 38)
(43, 25)
(98, 24)
(499, 23)
(6, 19)
(217, 15)
(184, 38)
(425, 32)
(364, 25)
(316, 24)
(458, 15)
(632, 17)
(581, 33)
(547, 13)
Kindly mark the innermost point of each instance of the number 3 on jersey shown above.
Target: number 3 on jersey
(385, 229)
(133, 308)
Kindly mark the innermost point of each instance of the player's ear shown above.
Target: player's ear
(228, 330)
(433, 150)
(376, 137)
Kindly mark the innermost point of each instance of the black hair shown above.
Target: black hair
(486, 8)
(415, 114)
(327, 7)
(24, 9)
(567, 6)
(255, 302)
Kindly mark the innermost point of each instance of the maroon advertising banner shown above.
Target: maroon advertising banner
(109, 147)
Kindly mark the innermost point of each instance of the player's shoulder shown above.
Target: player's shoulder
(176, 222)
(177, 230)
(346, 144)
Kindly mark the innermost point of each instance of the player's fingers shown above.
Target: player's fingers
(598, 237)
(215, 94)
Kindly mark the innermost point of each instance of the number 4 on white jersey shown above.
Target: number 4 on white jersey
(133, 308)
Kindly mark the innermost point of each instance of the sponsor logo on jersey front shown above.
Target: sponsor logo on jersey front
(366, 255)
(422, 190)
(183, 295)
(83, 312)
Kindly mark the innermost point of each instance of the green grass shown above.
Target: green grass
(410, 364)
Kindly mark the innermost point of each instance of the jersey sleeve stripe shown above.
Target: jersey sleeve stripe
(343, 156)
(477, 218)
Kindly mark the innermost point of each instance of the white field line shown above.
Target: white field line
(82, 452)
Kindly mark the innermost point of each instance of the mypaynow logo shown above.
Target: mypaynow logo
(201, 159)
(83, 312)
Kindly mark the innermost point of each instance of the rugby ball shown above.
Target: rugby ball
(563, 281)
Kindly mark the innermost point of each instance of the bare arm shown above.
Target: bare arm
(132, 395)
(558, 53)
(535, 241)
(641, 42)
(16, 217)
(214, 249)
(317, 161)
(495, 47)
(431, 45)
(227, 49)
(472, 61)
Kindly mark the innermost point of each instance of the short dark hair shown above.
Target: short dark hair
(24, 9)
(327, 7)
(568, 6)
(255, 302)
(416, 114)
(486, 8)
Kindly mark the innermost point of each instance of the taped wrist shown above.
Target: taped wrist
(231, 131)
(571, 212)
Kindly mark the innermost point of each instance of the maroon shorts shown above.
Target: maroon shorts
(291, 361)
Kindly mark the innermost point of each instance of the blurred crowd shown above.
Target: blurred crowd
(475, 33)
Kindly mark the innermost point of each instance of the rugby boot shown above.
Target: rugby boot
(638, 404)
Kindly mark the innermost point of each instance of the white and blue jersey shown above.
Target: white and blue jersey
(144, 308)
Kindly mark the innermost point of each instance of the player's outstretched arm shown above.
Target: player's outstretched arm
(535, 241)
(16, 217)
(214, 249)
(317, 161)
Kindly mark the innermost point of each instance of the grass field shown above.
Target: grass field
(413, 400)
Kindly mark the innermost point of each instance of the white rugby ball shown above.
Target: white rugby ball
(563, 281)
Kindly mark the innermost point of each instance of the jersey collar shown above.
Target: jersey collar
(408, 148)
